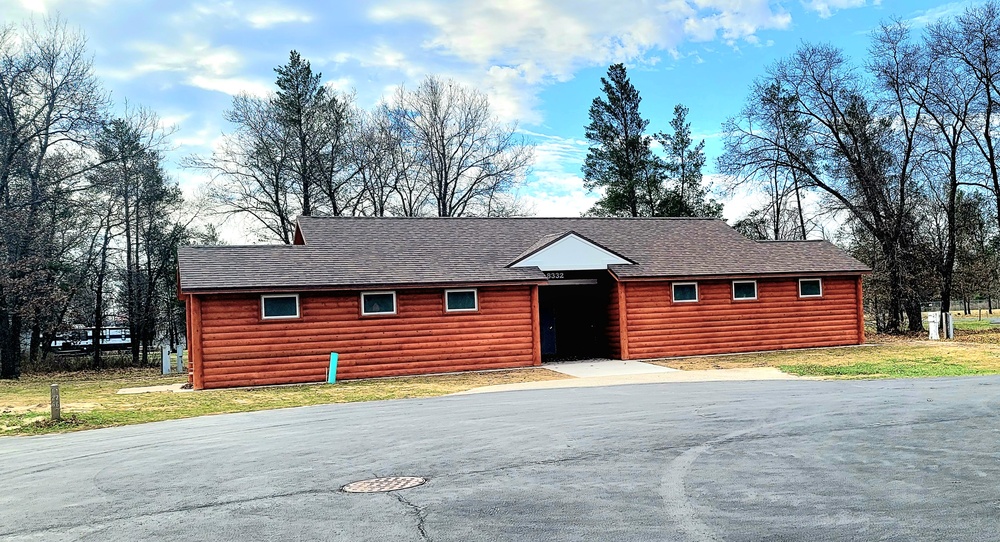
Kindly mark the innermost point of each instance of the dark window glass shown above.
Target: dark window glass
(744, 290)
(379, 303)
(810, 288)
(685, 292)
(281, 307)
(462, 301)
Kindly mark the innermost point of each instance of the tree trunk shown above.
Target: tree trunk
(10, 348)
(96, 361)
(914, 316)
(895, 292)
(798, 204)
(34, 342)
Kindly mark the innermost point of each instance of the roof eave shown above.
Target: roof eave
(724, 276)
(360, 287)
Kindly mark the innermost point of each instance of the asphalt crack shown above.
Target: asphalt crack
(418, 511)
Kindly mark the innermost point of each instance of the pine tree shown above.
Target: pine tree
(685, 195)
(620, 160)
(298, 102)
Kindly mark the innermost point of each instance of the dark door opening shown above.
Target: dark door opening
(573, 321)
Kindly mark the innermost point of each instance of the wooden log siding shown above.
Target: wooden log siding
(779, 319)
(240, 349)
(614, 323)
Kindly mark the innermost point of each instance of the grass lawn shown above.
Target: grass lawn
(890, 360)
(89, 400)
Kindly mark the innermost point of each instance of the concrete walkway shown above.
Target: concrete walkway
(605, 368)
(671, 375)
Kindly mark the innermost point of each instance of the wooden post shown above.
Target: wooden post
(54, 401)
(622, 321)
(536, 328)
(180, 358)
(194, 344)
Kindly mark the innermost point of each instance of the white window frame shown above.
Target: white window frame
(395, 306)
(475, 297)
(263, 312)
(756, 293)
(673, 292)
(817, 279)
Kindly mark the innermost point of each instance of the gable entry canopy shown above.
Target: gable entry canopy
(569, 251)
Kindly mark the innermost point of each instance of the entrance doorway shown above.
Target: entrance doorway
(573, 319)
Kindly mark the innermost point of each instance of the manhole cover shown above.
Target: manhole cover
(378, 485)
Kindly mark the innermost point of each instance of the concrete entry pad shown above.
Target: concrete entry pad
(605, 367)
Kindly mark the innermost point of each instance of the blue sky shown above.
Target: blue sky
(540, 61)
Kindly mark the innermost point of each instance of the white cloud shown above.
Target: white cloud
(49, 6)
(543, 204)
(556, 187)
(932, 15)
(340, 84)
(559, 38)
(514, 47)
(259, 17)
(191, 55)
(825, 8)
(267, 17)
(201, 64)
(230, 85)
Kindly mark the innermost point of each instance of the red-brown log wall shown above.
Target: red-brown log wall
(238, 348)
(716, 324)
(614, 327)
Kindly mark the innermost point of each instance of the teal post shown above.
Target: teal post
(331, 377)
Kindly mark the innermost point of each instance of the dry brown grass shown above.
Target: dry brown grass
(90, 400)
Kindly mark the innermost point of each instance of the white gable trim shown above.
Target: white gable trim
(571, 253)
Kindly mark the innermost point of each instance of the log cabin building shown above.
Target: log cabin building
(407, 296)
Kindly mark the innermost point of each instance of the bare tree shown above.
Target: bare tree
(467, 156)
(856, 146)
(50, 106)
(756, 158)
(919, 75)
(971, 40)
(251, 169)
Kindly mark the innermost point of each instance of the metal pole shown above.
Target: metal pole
(54, 400)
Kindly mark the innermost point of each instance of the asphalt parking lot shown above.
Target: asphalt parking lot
(771, 460)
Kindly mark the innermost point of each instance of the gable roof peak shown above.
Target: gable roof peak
(568, 251)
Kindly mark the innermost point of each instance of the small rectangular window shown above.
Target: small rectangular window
(810, 288)
(461, 300)
(685, 292)
(378, 303)
(745, 289)
(279, 306)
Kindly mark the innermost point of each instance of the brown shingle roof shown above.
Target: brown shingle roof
(363, 252)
